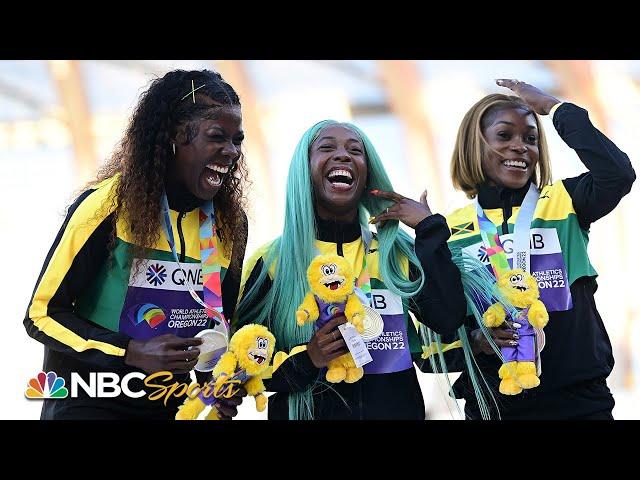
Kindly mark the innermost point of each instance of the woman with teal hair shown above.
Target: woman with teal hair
(336, 181)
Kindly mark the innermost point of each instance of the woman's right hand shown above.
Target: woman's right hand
(163, 353)
(327, 343)
(541, 102)
(503, 336)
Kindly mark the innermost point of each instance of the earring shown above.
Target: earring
(174, 148)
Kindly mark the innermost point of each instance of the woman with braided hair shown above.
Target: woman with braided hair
(125, 284)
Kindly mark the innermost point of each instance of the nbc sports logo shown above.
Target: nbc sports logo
(46, 385)
(156, 274)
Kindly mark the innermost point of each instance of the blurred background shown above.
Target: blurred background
(59, 120)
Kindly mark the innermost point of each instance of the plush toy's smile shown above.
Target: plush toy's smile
(332, 284)
(258, 356)
(330, 278)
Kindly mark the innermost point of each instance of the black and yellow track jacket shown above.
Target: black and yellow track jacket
(577, 357)
(440, 305)
(78, 306)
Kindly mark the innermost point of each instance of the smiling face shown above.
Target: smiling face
(260, 352)
(203, 163)
(338, 167)
(253, 347)
(512, 156)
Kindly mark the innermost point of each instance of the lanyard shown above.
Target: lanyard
(211, 284)
(521, 243)
(363, 283)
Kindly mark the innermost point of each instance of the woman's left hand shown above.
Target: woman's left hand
(538, 100)
(406, 210)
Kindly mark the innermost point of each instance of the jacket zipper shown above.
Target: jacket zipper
(181, 215)
(506, 212)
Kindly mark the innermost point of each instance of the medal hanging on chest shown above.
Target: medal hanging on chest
(521, 367)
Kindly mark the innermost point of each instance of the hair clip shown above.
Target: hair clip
(193, 92)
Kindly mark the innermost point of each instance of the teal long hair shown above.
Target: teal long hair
(293, 251)
(479, 287)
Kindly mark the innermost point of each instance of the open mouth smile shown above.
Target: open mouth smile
(256, 357)
(333, 285)
(340, 178)
(214, 174)
(515, 164)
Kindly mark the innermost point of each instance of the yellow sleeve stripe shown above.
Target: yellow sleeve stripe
(62, 334)
(432, 349)
(86, 218)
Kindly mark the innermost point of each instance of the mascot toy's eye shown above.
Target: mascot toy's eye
(263, 343)
(329, 269)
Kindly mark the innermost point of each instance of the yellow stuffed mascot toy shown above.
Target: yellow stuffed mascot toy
(246, 363)
(519, 370)
(331, 294)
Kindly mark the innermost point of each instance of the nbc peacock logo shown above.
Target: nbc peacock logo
(46, 385)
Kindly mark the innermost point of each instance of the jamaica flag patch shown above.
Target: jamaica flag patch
(462, 228)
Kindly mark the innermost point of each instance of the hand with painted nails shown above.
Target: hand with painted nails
(404, 209)
(503, 336)
(538, 100)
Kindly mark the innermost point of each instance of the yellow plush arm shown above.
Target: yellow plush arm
(354, 311)
(261, 402)
(225, 366)
(308, 310)
(494, 316)
(538, 316)
(254, 386)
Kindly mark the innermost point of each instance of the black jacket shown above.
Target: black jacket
(577, 357)
(76, 274)
(375, 396)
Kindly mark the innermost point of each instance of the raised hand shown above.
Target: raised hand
(538, 100)
(406, 210)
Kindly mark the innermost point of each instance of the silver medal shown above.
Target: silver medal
(373, 324)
